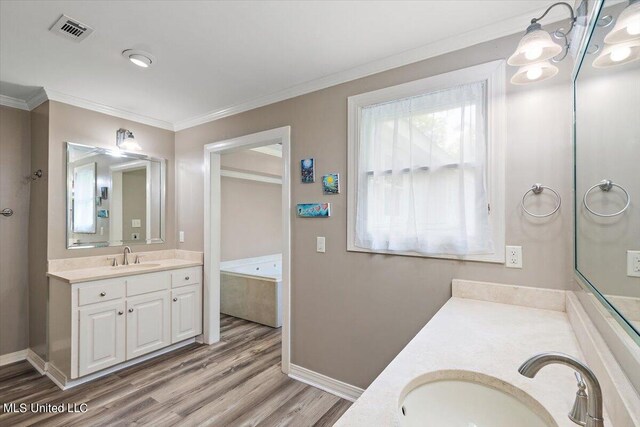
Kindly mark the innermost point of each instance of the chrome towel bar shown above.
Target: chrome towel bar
(537, 189)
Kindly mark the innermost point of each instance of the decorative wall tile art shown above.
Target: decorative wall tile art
(314, 210)
(103, 213)
(331, 183)
(308, 170)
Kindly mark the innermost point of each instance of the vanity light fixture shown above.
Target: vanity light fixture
(534, 73)
(627, 26)
(139, 57)
(618, 54)
(537, 48)
(622, 43)
(126, 141)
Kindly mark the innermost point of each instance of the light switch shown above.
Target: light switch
(514, 257)
(135, 223)
(181, 237)
(633, 263)
(320, 244)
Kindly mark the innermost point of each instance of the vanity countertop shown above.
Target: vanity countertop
(94, 268)
(486, 337)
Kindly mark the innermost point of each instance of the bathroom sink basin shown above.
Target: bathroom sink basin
(135, 266)
(455, 402)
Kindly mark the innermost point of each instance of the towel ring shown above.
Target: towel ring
(606, 185)
(537, 189)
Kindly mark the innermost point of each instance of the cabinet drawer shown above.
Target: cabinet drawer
(145, 283)
(186, 276)
(102, 290)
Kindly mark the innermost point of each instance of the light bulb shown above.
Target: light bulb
(533, 52)
(633, 28)
(534, 73)
(620, 53)
(139, 62)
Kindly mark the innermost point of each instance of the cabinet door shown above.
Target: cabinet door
(186, 312)
(102, 336)
(148, 323)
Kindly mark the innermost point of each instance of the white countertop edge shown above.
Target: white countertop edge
(100, 273)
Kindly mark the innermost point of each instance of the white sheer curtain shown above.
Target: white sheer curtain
(422, 174)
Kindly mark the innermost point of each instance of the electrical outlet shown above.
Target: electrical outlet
(136, 223)
(320, 247)
(514, 257)
(633, 263)
(181, 237)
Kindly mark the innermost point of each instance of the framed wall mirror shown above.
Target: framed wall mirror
(113, 198)
(607, 176)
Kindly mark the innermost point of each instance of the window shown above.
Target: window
(84, 198)
(426, 167)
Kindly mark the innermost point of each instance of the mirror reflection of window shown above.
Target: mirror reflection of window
(84, 198)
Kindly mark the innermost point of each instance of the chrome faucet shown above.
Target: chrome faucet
(594, 393)
(127, 250)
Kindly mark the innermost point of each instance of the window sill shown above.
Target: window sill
(496, 258)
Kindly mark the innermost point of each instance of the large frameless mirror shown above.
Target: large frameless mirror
(607, 149)
(113, 197)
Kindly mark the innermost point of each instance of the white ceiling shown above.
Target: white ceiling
(214, 58)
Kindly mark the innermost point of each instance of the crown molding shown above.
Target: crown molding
(105, 109)
(490, 32)
(37, 99)
(8, 101)
(44, 95)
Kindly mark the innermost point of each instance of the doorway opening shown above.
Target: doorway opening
(236, 162)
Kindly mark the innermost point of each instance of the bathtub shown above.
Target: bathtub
(251, 289)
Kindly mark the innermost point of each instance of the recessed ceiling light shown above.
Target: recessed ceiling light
(139, 57)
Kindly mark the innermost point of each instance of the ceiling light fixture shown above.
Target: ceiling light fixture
(139, 57)
(126, 141)
(537, 47)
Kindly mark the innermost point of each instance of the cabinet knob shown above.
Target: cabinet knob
(175, 299)
(131, 310)
(103, 294)
(186, 278)
(120, 313)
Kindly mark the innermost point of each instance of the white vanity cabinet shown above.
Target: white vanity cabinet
(99, 324)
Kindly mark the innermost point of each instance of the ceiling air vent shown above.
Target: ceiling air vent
(71, 29)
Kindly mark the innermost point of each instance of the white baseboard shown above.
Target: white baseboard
(14, 357)
(60, 379)
(323, 382)
(37, 362)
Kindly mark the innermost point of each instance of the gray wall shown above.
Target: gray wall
(251, 211)
(38, 228)
(15, 168)
(353, 312)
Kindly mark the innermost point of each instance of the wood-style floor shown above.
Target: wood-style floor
(236, 382)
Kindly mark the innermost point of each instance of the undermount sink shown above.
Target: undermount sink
(134, 266)
(464, 399)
